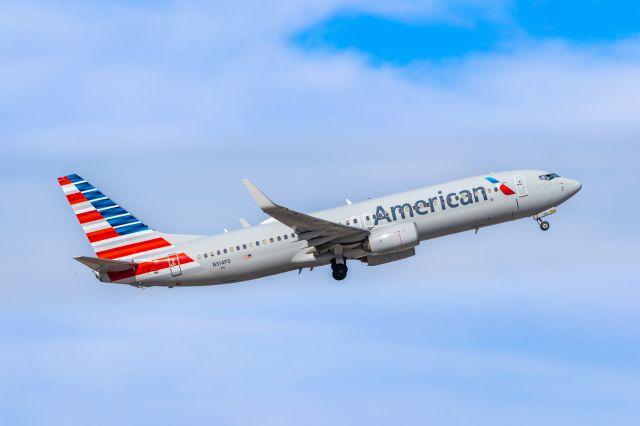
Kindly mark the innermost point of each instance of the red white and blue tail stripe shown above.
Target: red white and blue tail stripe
(116, 234)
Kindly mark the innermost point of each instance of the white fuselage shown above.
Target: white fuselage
(462, 205)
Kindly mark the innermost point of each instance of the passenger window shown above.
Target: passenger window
(225, 251)
(348, 223)
(205, 255)
(293, 235)
(244, 246)
(286, 237)
(271, 239)
(199, 257)
(257, 243)
(368, 219)
(264, 242)
(279, 239)
(238, 248)
(219, 252)
(211, 253)
(231, 249)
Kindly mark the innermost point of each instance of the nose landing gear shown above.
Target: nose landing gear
(544, 225)
(339, 269)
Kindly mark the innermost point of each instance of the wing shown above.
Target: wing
(313, 229)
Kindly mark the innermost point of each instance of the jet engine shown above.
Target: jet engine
(393, 238)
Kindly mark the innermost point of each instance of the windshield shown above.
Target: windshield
(550, 176)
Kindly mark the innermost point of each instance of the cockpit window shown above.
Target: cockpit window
(550, 176)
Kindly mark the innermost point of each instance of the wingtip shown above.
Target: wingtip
(249, 185)
(258, 196)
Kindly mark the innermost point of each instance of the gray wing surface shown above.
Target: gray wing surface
(313, 229)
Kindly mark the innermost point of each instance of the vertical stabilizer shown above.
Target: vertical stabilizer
(112, 231)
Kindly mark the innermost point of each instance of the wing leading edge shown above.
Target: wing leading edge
(316, 231)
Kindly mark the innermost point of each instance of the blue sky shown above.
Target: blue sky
(166, 106)
(462, 28)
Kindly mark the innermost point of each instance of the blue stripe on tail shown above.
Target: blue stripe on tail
(122, 220)
(116, 211)
(130, 229)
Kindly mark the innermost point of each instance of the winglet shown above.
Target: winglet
(261, 200)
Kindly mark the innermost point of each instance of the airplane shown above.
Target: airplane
(375, 231)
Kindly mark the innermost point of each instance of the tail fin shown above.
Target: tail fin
(113, 232)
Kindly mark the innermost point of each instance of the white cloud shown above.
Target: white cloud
(214, 75)
(177, 102)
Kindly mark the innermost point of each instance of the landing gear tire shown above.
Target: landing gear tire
(544, 226)
(339, 271)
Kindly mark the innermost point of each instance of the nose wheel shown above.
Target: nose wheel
(544, 225)
(339, 270)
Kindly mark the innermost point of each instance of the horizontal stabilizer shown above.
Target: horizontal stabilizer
(106, 265)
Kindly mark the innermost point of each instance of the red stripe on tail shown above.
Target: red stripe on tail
(134, 248)
(76, 198)
(89, 216)
(103, 234)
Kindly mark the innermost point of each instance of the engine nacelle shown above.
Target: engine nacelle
(380, 259)
(394, 238)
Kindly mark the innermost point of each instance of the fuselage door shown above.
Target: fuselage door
(521, 186)
(174, 264)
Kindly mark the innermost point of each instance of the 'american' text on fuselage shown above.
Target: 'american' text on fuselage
(422, 207)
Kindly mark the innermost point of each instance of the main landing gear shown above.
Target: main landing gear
(339, 268)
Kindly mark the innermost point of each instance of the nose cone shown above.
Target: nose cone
(572, 187)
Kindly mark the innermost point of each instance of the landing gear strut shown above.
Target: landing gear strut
(339, 269)
(544, 225)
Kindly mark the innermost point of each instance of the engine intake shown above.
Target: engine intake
(393, 238)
